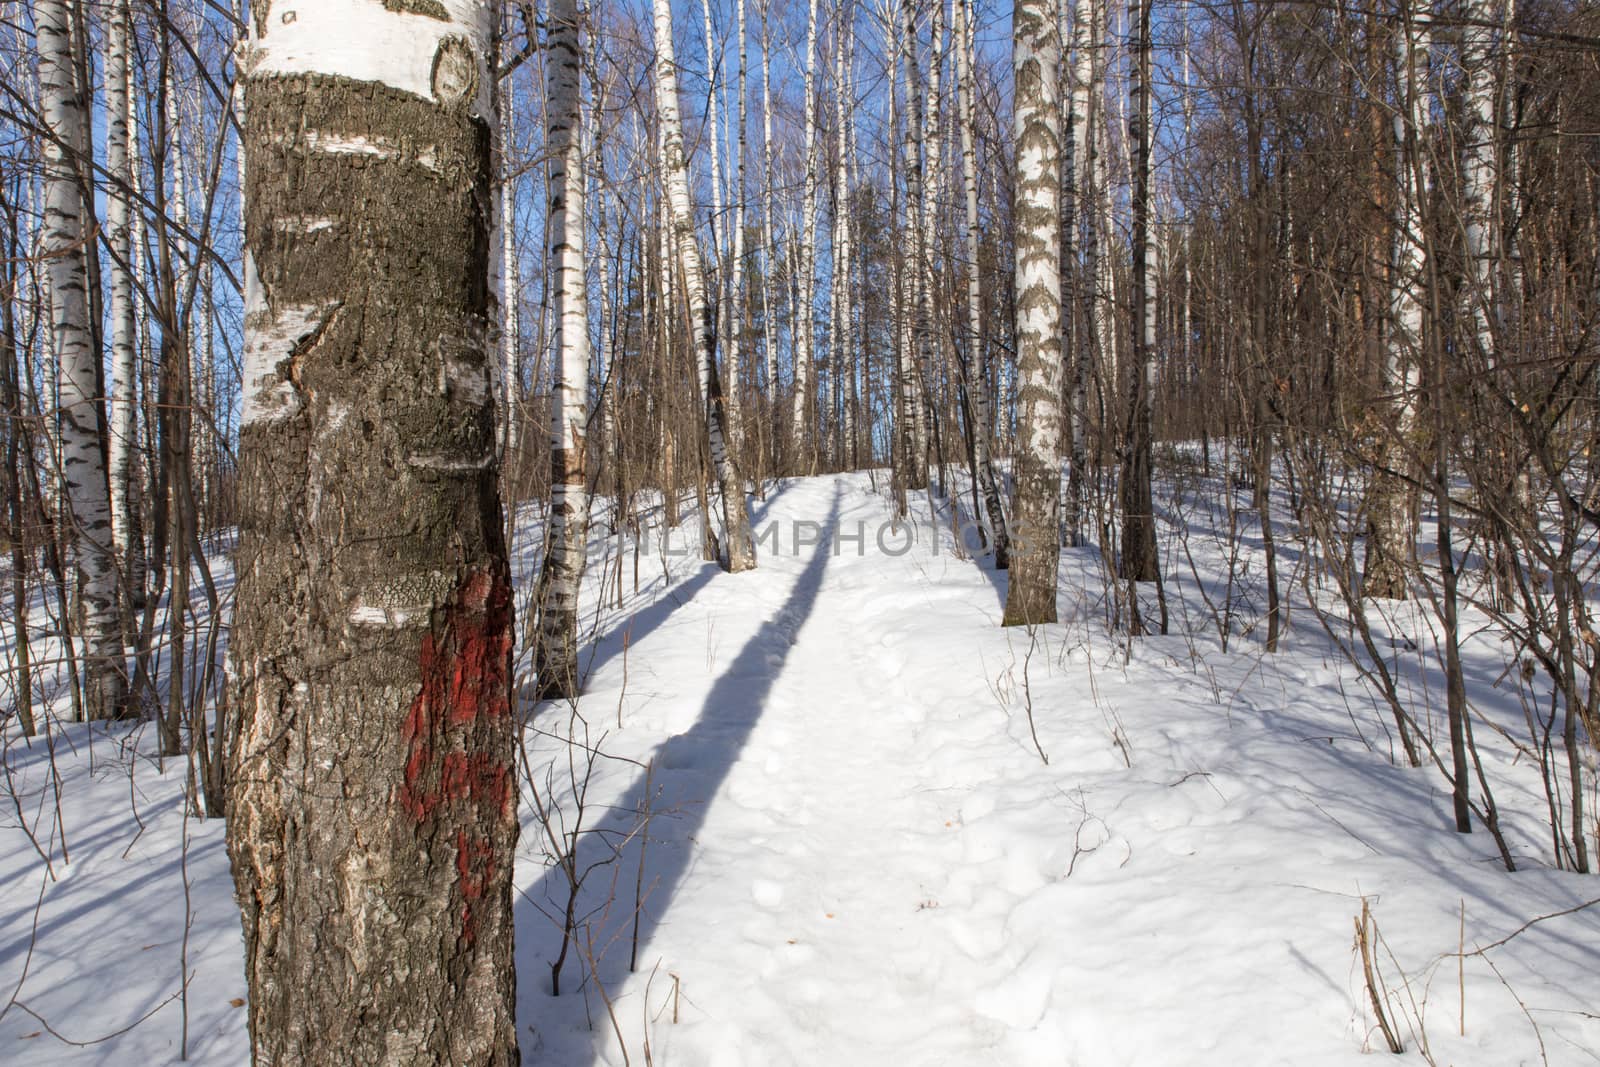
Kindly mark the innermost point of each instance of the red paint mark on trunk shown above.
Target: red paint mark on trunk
(475, 871)
(454, 731)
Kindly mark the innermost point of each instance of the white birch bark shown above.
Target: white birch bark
(800, 442)
(916, 359)
(1392, 521)
(1103, 226)
(844, 310)
(610, 462)
(667, 310)
(1078, 169)
(83, 470)
(899, 320)
(123, 310)
(735, 514)
(714, 81)
(1478, 167)
(1139, 562)
(977, 386)
(1036, 49)
(510, 281)
(556, 650)
(932, 186)
(769, 249)
(853, 289)
(737, 272)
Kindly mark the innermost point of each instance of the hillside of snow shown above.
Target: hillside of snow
(831, 813)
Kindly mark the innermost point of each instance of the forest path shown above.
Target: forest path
(839, 784)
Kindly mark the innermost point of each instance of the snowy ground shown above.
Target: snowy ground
(856, 853)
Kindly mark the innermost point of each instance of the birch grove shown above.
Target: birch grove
(317, 317)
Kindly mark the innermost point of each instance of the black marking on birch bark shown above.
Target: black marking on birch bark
(427, 8)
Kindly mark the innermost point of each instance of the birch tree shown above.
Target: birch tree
(1391, 525)
(931, 147)
(741, 554)
(1139, 560)
(1077, 168)
(975, 382)
(737, 295)
(1035, 57)
(805, 320)
(124, 338)
(914, 329)
(769, 247)
(556, 649)
(83, 466)
(843, 328)
(375, 801)
(1478, 170)
(509, 377)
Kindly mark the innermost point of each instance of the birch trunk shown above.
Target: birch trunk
(556, 647)
(510, 376)
(703, 327)
(852, 401)
(903, 429)
(1392, 521)
(83, 469)
(717, 268)
(928, 340)
(977, 388)
(1139, 560)
(769, 248)
(800, 441)
(1478, 141)
(915, 356)
(1035, 57)
(373, 822)
(737, 273)
(1103, 226)
(124, 337)
(1078, 168)
(843, 320)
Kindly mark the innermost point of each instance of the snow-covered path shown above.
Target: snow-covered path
(851, 832)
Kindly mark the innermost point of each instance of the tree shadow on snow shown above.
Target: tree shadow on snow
(689, 769)
(634, 627)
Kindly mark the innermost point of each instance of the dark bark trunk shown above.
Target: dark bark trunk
(373, 820)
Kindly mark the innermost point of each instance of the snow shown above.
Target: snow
(855, 853)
